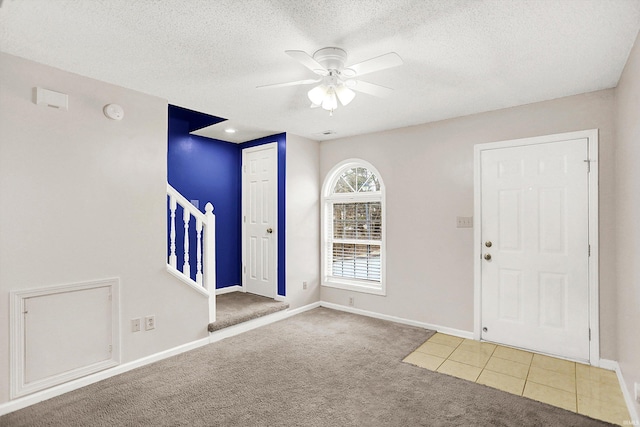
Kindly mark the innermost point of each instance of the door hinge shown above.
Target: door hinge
(588, 162)
(244, 218)
(110, 349)
(589, 250)
(244, 168)
(589, 334)
(244, 269)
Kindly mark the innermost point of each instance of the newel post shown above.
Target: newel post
(210, 259)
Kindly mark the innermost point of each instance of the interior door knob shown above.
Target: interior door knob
(269, 230)
(487, 257)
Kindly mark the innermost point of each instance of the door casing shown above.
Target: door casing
(593, 274)
(245, 255)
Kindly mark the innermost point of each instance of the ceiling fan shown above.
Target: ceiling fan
(337, 82)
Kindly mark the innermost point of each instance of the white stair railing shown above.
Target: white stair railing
(205, 233)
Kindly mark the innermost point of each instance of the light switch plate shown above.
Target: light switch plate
(464, 222)
(135, 325)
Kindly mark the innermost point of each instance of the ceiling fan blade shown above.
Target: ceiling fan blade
(307, 60)
(298, 82)
(378, 63)
(371, 89)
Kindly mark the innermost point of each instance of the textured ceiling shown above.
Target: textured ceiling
(460, 57)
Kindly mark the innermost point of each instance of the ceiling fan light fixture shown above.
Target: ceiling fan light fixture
(338, 82)
(345, 95)
(330, 101)
(318, 94)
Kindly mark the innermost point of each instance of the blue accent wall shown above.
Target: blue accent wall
(281, 140)
(210, 170)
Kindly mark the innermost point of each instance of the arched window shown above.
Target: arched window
(353, 228)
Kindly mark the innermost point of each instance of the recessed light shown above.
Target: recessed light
(230, 130)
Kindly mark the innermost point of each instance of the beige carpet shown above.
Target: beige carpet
(319, 368)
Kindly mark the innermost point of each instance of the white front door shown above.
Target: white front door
(535, 247)
(260, 219)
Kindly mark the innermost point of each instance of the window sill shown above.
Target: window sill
(356, 286)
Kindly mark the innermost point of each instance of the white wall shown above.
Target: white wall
(83, 198)
(627, 215)
(428, 173)
(303, 221)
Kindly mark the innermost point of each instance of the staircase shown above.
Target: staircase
(204, 234)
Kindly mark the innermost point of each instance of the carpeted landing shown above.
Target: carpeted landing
(318, 368)
(239, 307)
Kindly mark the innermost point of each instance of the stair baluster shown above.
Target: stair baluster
(199, 251)
(173, 259)
(186, 268)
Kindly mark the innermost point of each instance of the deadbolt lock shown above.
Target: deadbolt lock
(269, 230)
(488, 243)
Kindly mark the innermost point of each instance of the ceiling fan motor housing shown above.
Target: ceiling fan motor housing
(332, 58)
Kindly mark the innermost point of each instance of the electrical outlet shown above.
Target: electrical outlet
(464, 222)
(149, 323)
(304, 285)
(351, 302)
(135, 325)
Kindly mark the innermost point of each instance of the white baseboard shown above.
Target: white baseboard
(442, 329)
(229, 289)
(260, 321)
(40, 396)
(612, 365)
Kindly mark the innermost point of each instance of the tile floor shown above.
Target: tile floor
(573, 386)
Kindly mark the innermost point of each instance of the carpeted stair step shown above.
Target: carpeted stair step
(238, 307)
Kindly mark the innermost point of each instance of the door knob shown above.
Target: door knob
(487, 257)
(488, 243)
(269, 230)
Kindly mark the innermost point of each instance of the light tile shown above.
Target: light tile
(502, 382)
(476, 358)
(552, 396)
(617, 414)
(445, 339)
(460, 370)
(512, 354)
(477, 346)
(604, 392)
(436, 349)
(507, 367)
(591, 391)
(424, 360)
(591, 373)
(552, 379)
(553, 364)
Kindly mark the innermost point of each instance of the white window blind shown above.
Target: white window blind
(357, 235)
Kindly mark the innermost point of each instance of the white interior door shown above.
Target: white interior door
(260, 219)
(535, 247)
